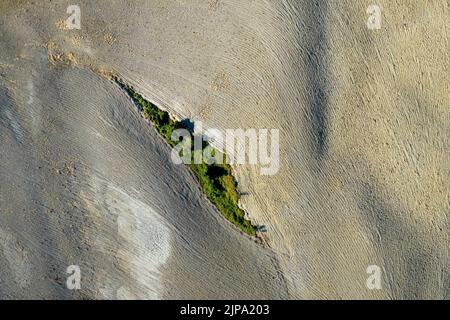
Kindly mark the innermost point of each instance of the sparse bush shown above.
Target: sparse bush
(217, 181)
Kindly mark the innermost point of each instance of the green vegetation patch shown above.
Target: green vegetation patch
(216, 180)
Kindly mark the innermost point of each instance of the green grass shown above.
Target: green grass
(216, 180)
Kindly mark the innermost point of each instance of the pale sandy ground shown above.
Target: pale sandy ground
(363, 120)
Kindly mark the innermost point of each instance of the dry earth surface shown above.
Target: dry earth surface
(363, 120)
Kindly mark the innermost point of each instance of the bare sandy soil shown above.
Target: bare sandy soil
(363, 120)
